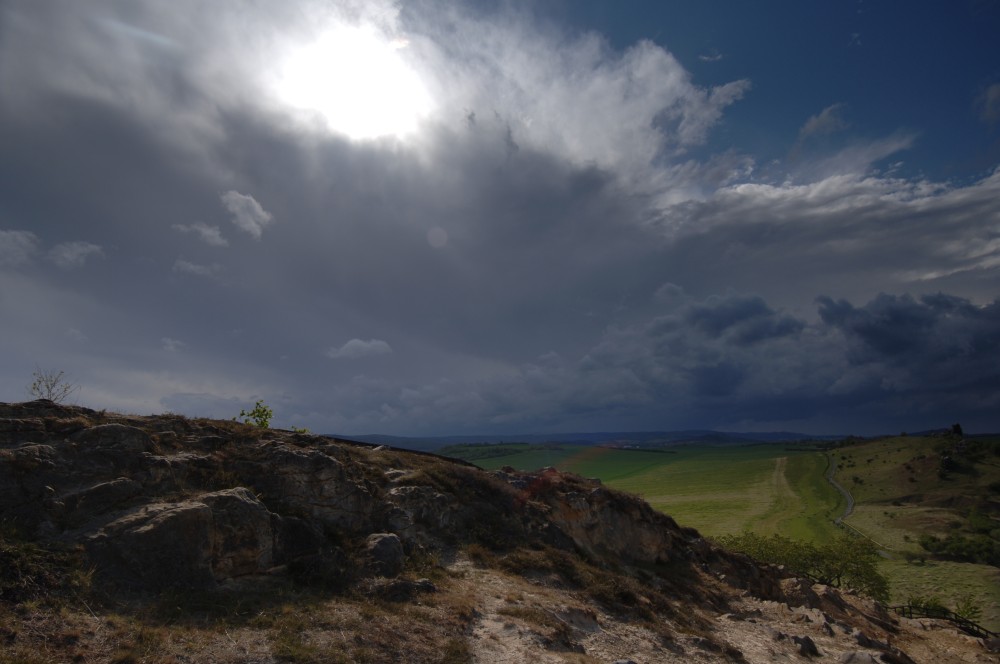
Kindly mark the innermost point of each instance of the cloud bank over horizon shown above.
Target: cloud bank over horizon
(554, 229)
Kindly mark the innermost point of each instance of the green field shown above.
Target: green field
(718, 490)
(897, 483)
(902, 495)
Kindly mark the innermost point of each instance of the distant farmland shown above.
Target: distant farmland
(718, 490)
(905, 488)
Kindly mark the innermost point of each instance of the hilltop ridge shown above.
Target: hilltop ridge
(162, 538)
(642, 438)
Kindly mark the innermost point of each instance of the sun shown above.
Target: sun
(356, 82)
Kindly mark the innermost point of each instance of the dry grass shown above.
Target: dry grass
(282, 621)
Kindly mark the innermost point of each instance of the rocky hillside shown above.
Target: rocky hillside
(167, 539)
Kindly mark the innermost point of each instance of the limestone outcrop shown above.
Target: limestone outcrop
(167, 501)
(162, 503)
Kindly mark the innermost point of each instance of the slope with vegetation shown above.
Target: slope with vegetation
(933, 504)
(930, 502)
(166, 539)
(718, 489)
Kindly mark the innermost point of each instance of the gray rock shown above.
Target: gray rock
(385, 554)
(83, 505)
(241, 536)
(157, 546)
(807, 648)
(190, 544)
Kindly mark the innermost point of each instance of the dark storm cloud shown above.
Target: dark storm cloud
(939, 340)
(746, 319)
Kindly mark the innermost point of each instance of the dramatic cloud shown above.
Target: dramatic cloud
(247, 213)
(786, 372)
(357, 348)
(575, 232)
(69, 255)
(939, 339)
(745, 319)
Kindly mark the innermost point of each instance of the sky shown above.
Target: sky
(429, 218)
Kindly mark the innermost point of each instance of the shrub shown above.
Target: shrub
(51, 385)
(968, 608)
(259, 416)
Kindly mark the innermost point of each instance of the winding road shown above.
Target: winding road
(830, 470)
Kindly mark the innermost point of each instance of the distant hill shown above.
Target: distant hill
(636, 438)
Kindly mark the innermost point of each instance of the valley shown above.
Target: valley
(905, 488)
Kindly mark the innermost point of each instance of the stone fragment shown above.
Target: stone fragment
(807, 647)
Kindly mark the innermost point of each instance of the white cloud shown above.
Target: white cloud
(827, 121)
(358, 348)
(17, 247)
(210, 235)
(69, 255)
(248, 215)
(187, 267)
(576, 97)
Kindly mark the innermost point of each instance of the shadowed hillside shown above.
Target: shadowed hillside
(166, 539)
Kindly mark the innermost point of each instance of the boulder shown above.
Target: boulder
(385, 554)
(156, 547)
(807, 647)
(241, 537)
(190, 544)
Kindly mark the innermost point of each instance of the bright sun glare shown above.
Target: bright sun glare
(357, 82)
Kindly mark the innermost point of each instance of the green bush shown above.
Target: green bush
(846, 561)
(260, 415)
(978, 548)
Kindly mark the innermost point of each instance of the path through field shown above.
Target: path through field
(784, 500)
(719, 490)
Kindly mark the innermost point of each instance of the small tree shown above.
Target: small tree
(843, 561)
(969, 608)
(260, 415)
(51, 385)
